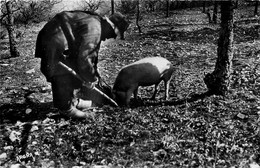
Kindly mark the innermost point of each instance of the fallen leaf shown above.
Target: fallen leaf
(3, 156)
(34, 128)
(14, 135)
(8, 148)
(25, 88)
(254, 165)
(30, 71)
(83, 163)
(17, 166)
(241, 116)
(98, 166)
(91, 150)
(28, 111)
(4, 64)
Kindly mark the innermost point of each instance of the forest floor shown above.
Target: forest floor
(188, 131)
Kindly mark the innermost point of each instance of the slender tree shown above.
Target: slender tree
(10, 28)
(218, 81)
(91, 5)
(138, 16)
(215, 12)
(112, 7)
(167, 8)
(236, 6)
(204, 7)
(209, 15)
(151, 5)
(256, 7)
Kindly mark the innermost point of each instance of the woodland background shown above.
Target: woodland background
(190, 131)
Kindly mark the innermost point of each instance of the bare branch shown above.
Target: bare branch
(91, 5)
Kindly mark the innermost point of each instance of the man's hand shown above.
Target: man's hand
(89, 85)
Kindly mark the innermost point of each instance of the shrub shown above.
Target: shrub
(127, 6)
(29, 11)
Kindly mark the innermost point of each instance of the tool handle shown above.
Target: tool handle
(96, 89)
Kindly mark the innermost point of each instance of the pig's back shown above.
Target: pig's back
(160, 63)
(144, 72)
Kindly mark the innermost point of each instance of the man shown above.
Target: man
(74, 39)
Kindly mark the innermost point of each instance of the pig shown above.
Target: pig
(145, 72)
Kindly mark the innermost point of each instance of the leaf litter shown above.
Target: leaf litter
(214, 131)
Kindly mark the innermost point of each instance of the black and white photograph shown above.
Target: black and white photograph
(129, 84)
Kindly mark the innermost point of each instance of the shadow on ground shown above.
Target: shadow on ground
(31, 111)
(27, 112)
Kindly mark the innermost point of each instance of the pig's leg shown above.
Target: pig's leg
(129, 94)
(135, 93)
(155, 91)
(127, 98)
(167, 86)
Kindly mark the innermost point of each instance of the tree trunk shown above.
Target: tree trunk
(167, 8)
(215, 12)
(190, 5)
(236, 6)
(209, 16)
(138, 16)
(256, 8)
(204, 7)
(112, 7)
(10, 28)
(218, 81)
(152, 6)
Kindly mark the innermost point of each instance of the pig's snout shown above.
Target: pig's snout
(120, 97)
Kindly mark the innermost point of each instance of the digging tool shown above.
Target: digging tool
(96, 89)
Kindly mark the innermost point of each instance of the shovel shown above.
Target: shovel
(96, 89)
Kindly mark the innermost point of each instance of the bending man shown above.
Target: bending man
(74, 38)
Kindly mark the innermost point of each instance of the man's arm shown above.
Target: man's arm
(63, 19)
